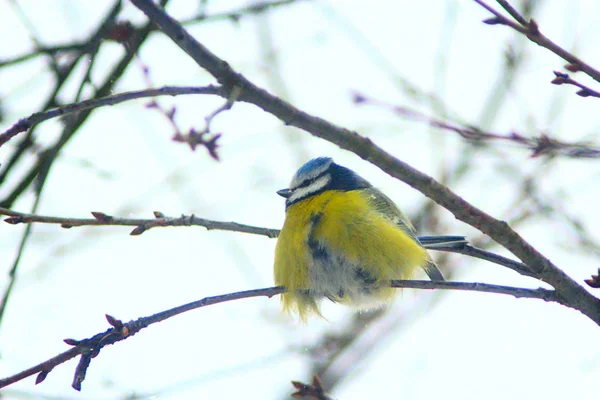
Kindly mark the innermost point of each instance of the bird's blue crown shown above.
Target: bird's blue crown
(321, 174)
(319, 163)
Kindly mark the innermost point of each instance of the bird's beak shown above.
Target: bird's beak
(284, 193)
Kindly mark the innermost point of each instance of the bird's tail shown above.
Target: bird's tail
(433, 272)
(439, 243)
(447, 241)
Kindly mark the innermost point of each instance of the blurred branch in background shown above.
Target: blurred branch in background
(64, 59)
(543, 145)
(565, 79)
(365, 148)
(531, 30)
(340, 353)
(24, 124)
(38, 173)
(514, 60)
(336, 355)
(124, 29)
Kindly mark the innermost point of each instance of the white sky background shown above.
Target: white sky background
(123, 163)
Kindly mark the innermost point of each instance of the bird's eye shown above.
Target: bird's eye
(304, 184)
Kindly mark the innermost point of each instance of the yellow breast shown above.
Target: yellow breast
(347, 227)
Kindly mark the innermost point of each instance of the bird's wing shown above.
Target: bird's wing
(388, 209)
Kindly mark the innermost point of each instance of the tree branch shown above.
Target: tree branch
(160, 220)
(541, 145)
(90, 348)
(27, 123)
(569, 290)
(539, 293)
(141, 224)
(82, 47)
(564, 79)
(531, 30)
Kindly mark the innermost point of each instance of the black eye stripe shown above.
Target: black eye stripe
(305, 184)
(308, 182)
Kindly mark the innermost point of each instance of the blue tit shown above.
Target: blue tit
(344, 240)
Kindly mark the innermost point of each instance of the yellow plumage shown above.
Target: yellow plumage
(368, 248)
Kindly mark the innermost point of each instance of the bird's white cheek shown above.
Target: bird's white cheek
(310, 189)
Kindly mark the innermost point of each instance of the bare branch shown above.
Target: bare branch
(572, 293)
(475, 252)
(90, 348)
(160, 220)
(540, 293)
(141, 224)
(46, 50)
(37, 174)
(531, 30)
(562, 78)
(82, 47)
(542, 145)
(195, 138)
(27, 123)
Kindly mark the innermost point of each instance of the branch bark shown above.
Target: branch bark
(573, 294)
(90, 347)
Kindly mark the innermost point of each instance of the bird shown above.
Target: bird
(344, 240)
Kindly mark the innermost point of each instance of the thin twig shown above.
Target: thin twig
(542, 145)
(500, 19)
(531, 30)
(539, 293)
(513, 12)
(570, 291)
(12, 273)
(121, 331)
(63, 75)
(39, 171)
(82, 47)
(36, 118)
(160, 220)
(585, 91)
(475, 252)
(141, 224)
(204, 137)
(89, 348)
(45, 50)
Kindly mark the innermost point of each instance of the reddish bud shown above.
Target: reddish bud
(583, 93)
(121, 32)
(594, 281)
(138, 230)
(13, 220)
(41, 376)
(493, 21)
(533, 26)
(572, 67)
(115, 323)
(101, 216)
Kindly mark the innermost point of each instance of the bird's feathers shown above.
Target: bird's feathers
(353, 245)
(345, 240)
